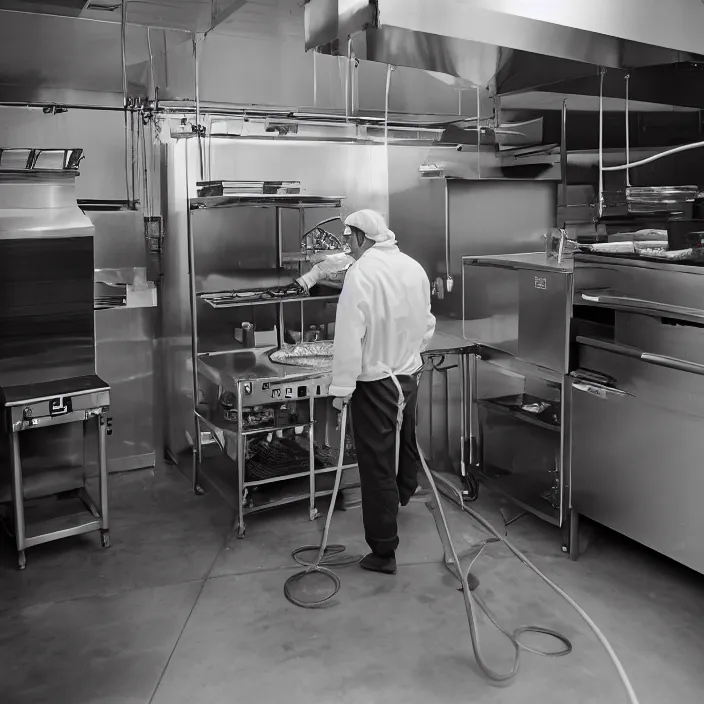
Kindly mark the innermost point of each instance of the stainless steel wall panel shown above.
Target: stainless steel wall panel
(416, 208)
(496, 217)
(119, 240)
(491, 306)
(125, 340)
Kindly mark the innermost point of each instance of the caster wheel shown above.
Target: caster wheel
(198, 490)
(241, 532)
(105, 540)
(314, 515)
(21, 560)
(565, 549)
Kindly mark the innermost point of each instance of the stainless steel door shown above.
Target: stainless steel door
(543, 323)
(637, 453)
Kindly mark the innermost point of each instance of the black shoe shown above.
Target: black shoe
(374, 563)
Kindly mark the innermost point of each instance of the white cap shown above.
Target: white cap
(372, 224)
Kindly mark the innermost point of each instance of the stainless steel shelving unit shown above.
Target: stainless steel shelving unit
(252, 379)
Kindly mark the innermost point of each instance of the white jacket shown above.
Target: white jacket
(383, 319)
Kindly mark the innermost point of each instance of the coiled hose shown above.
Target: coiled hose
(328, 556)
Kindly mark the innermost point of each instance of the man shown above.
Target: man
(383, 324)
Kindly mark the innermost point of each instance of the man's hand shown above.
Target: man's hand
(340, 402)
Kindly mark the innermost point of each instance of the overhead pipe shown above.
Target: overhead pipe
(48, 105)
(656, 157)
(628, 133)
(123, 51)
(449, 283)
(196, 89)
(563, 153)
(223, 109)
(600, 204)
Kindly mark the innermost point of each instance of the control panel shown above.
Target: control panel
(258, 392)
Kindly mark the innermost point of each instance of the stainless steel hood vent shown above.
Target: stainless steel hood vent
(38, 194)
(489, 43)
(67, 8)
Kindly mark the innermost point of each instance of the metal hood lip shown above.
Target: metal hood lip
(487, 43)
(470, 20)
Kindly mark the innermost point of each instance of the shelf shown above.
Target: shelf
(293, 200)
(523, 490)
(48, 520)
(298, 475)
(243, 302)
(231, 427)
(512, 365)
(499, 406)
(219, 474)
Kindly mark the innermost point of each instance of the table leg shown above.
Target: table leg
(18, 499)
(240, 464)
(574, 535)
(312, 510)
(103, 480)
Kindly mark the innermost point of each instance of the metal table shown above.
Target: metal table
(32, 406)
(253, 381)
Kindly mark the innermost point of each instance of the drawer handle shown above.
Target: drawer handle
(658, 360)
(598, 390)
(673, 363)
(653, 308)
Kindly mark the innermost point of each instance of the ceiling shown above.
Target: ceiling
(235, 17)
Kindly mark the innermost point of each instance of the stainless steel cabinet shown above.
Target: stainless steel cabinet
(517, 309)
(638, 402)
(637, 455)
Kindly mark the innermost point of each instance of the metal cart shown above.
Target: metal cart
(254, 384)
(34, 406)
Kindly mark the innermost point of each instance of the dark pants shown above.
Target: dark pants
(374, 407)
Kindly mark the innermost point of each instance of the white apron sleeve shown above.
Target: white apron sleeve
(350, 329)
(429, 318)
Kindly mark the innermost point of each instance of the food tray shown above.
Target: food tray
(312, 355)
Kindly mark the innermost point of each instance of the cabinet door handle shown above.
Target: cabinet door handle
(599, 390)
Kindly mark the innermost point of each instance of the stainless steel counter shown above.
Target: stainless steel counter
(529, 260)
(638, 402)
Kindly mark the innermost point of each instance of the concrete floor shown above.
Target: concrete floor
(140, 622)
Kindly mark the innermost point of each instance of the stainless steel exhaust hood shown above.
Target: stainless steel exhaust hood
(492, 42)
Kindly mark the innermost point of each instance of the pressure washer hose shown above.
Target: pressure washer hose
(328, 556)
